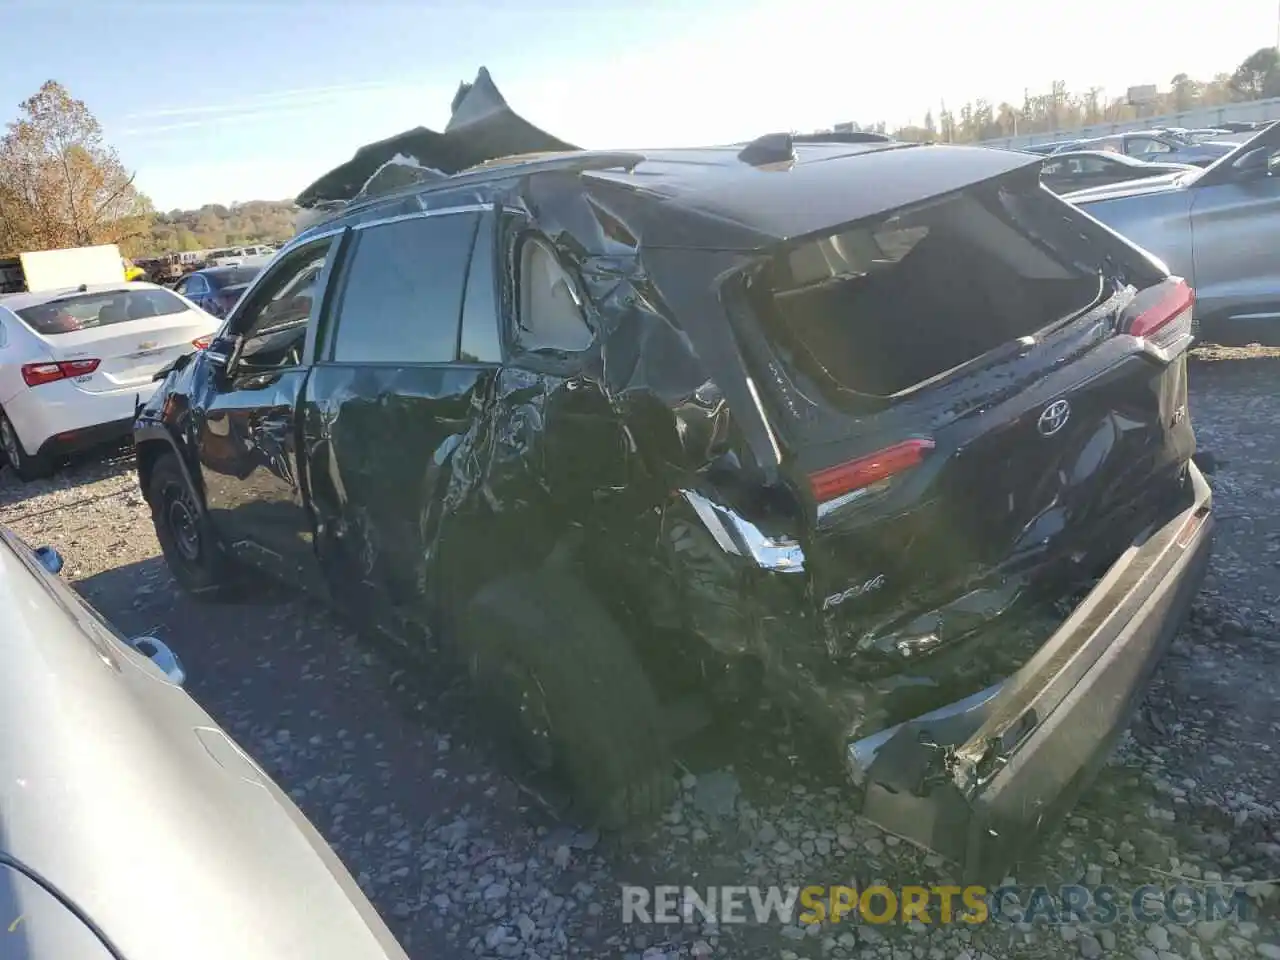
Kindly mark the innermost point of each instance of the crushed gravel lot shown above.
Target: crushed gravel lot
(464, 860)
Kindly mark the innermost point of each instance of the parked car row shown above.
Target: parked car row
(1071, 170)
(1218, 227)
(1166, 145)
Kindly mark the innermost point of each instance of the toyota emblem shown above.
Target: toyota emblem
(1054, 418)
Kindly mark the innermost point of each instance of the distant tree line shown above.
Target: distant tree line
(1257, 77)
(215, 225)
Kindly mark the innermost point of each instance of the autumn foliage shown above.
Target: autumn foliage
(61, 185)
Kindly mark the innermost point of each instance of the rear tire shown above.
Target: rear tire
(186, 539)
(26, 466)
(563, 682)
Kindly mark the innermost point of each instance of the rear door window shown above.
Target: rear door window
(87, 311)
(883, 306)
(480, 341)
(402, 292)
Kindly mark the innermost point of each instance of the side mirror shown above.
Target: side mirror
(49, 558)
(159, 653)
(1253, 164)
(220, 352)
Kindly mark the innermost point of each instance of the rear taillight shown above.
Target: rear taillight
(845, 482)
(202, 343)
(35, 374)
(1169, 318)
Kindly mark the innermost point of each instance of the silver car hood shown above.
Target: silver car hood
(127, 799)
(1168, 183)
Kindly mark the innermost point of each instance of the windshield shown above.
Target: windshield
(90, 310)
(1233, 155)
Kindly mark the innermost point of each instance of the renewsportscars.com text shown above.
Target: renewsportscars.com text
(937, 904)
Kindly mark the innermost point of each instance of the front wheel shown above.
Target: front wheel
(26, 466)
(186, 540)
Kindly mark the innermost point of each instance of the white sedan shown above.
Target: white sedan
(75, 363)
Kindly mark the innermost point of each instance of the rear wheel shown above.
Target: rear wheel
(188, 544)
(25, 465)
(561, 678)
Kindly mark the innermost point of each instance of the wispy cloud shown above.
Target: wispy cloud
(267, 99)
(258, 108)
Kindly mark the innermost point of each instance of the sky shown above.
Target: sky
(234, 100)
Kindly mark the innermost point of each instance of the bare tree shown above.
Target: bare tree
(61, 185)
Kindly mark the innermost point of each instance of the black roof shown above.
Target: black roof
(828, 184)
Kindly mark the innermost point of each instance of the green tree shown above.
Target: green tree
(1255, 74)
(1183, 92)
(61, 185)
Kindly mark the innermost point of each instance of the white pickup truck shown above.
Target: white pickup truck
(255, 254)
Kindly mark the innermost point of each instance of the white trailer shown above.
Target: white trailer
(41, 270)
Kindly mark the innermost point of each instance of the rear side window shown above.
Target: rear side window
(88, 311)
(550, 312)
(883, 306)
(401, 299)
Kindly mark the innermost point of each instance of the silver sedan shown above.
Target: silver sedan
(130, 824)
(1218, 227)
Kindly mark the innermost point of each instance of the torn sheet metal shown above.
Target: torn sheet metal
(481, 127)
(398, 172)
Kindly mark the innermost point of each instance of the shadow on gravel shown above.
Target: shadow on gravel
(279, 661)
(83, 469)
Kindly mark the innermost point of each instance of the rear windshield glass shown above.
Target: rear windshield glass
(89, 310)
(232, 276)
(885, 305)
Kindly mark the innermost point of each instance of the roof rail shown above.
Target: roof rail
(844, 136)
(484, 173)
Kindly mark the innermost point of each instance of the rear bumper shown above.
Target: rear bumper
(60, 417)
(85, 438)
(979, 780)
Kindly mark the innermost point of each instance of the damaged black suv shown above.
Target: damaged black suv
(828, 422)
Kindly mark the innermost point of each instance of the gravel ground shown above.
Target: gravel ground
(463, 860)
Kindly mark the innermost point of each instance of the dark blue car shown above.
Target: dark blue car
(216, 289)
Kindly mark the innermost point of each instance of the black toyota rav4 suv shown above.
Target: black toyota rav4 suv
(825, 422)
